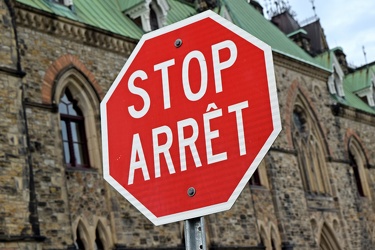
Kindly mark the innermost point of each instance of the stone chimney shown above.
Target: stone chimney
(341, 57)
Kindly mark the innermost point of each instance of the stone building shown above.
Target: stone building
(58, 58)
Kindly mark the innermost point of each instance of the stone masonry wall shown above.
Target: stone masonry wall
(64, 197)
(14, 185)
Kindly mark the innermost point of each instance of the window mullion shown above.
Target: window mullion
(71, 144)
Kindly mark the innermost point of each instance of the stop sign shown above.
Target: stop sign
(189, 118)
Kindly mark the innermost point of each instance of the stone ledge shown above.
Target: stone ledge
(351, 113)
(17, 238)
(13, 72)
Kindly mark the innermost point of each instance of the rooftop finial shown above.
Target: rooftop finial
(364, 53)
(313, 7)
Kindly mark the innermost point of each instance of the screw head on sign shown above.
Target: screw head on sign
(191, 191)
(178, 43)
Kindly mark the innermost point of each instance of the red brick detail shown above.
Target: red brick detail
(294, 90)
(351, 133)
(57, 66)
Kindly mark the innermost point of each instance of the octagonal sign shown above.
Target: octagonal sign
(189, 118)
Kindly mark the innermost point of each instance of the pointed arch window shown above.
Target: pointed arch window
(328, 240)
(98, 242)
(275, 239)
(78, 107)
(101, 237)
(307, 142)
(73, 132)
(357, 161)
(80, 239)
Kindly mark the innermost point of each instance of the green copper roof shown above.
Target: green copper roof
(179, 11)
(354, 101)
(104, 15)
(360, 79)
(127, 4)
(326, 59)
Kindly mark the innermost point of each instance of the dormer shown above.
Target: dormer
(368, 93)
(149, 14)
(335, 81)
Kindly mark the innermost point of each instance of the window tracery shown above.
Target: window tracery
(311, 154)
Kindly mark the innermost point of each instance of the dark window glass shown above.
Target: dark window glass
(354, 165)
(79, 243)
(299, 120)
(255, 179)
(153, 20)
(73, 132)
(98, 242)
(273, 245)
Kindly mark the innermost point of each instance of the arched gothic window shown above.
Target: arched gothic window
(81, 239)
(90, 237)
(328, 239)
(263, 237)
(79, 126)
(101, 237)
(79, 243)
(98, 242)
(357, 161)
(275, 239)
(154, 23)
(311, 154)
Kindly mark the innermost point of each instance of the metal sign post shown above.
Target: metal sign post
(195, 236)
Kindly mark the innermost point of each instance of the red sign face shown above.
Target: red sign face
(189, 118)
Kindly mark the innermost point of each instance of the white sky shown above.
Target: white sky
(348, 24)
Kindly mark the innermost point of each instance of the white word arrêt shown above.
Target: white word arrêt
(138, 159)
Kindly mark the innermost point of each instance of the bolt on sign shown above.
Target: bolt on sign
(189, 118)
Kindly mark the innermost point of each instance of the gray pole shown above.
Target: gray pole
(195, 236)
